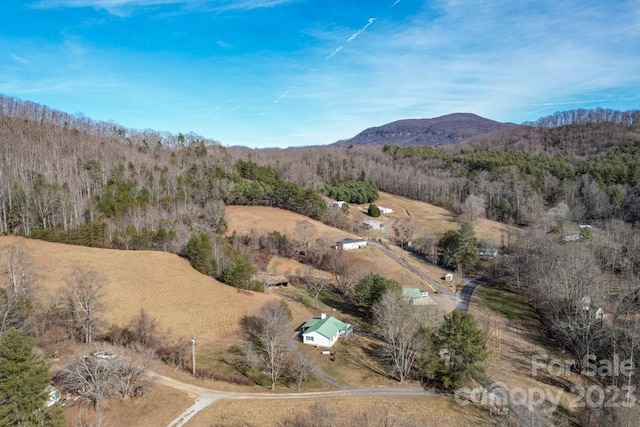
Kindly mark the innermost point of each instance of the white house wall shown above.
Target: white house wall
(319, 340)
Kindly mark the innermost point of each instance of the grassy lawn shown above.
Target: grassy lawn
(508, 304)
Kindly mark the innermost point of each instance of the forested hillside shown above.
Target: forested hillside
(68, 178)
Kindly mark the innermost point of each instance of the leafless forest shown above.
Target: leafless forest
(71, 179)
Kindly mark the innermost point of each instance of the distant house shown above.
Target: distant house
(372, 225)
(571, 238)
(324, 331)
(487, 252)
(337, 204)
(348, 244)
(385, 211)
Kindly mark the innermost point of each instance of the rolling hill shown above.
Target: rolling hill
(183, 301)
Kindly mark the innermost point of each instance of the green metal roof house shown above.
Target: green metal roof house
(324, 331)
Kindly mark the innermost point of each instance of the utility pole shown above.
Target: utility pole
(193, 355)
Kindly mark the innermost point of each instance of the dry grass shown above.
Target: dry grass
(260, 219)
(159, 406)
(416, 410)
(290, 267)
(515, 336)
(435, 220)
(182, 300)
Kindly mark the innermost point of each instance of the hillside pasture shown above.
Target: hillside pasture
(436, 220)
(183, 301)
(260, 219)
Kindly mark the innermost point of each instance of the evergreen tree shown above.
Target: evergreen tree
(458, 248)
(199, 250)
(465, 350)
(23, 378)
(373, 210)
(371, 288)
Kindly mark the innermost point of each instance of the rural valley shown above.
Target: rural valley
(487, 278)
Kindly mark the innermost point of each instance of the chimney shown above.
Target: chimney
(323, 316)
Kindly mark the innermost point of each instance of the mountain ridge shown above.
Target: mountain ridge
(447, 129)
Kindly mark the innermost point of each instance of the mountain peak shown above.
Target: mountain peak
(447, 129)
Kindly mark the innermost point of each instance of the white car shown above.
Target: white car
(53, 396)
(104, 355)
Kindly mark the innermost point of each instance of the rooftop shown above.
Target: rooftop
(327, 327)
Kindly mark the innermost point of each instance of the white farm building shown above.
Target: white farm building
(348, 244)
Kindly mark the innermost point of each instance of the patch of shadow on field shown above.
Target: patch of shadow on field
(372, 352)
(337, 304)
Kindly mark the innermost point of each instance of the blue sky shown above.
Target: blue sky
(267, 73)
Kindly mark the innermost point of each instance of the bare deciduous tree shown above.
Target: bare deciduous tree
(472, 208)
(399, 326)
(300, 365)
(306, 231)
(98, 379)
(15, 300)
(82, 302)
(315, 286)
(271, 335)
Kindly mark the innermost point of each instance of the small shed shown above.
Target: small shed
(324, 331)
(337, 204)
(411, 295)
(349, 243)
(385, 211)
(269, 280)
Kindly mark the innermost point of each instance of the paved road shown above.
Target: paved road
(205, 396)
(403, 262)
(463, 301)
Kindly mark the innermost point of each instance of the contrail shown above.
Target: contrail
(361, 30)
(281, 97)
(338, 49)
(395, 3)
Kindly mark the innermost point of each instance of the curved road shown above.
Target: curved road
(463, 301)
(206, 397)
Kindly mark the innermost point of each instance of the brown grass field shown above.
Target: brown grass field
(159, 406)
(183, 301)
(260, 219)
(435, 220)
(186, 303)
(427, 410)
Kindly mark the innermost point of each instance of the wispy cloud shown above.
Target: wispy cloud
(395, 3)
(117, 7)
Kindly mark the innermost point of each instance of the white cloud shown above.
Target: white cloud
(124, 7)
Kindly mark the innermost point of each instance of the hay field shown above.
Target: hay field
(261, 219)
(183, 301)
(435, 220)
